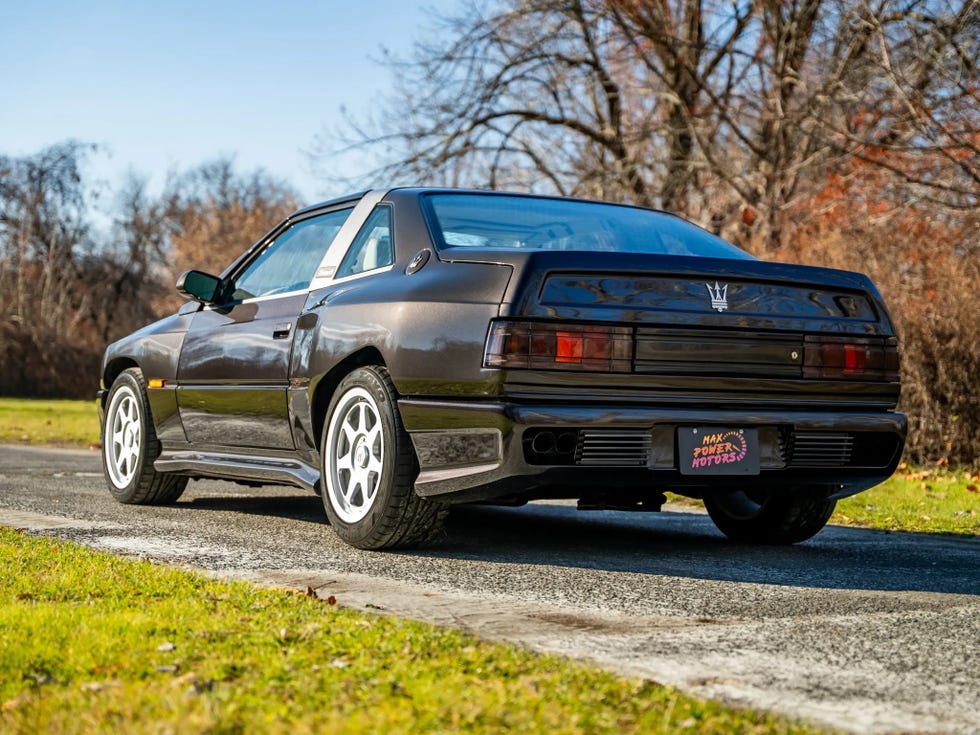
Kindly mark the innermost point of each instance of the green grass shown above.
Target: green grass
(91, 642)
(61, 423)
(921, 500)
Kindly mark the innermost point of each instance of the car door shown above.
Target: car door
(233, 371)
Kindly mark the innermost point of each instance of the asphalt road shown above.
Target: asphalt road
(860, 630)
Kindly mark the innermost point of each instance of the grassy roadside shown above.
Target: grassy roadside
(58, 423)
(927, 500)
(91, 642)
(919, 500)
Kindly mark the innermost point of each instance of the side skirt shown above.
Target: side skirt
(226, 466)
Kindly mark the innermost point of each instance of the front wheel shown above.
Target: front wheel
(368, 468)
(130, 446)
(769, 516)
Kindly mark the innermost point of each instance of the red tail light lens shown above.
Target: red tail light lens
(568, 347)
(551, 346)
(851, 358)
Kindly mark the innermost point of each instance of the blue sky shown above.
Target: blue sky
(174, 83)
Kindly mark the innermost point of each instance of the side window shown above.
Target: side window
(372, 247)
(289, 262)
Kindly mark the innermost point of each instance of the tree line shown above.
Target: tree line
(70, 286)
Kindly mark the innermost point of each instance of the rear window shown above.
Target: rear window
(530, 223)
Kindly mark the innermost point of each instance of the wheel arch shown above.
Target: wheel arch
(112, 371)
(325, 387)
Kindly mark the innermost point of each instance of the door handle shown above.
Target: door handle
(281, 331)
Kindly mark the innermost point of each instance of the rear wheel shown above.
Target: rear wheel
(767, 516)
(368, 468)
(130, 446)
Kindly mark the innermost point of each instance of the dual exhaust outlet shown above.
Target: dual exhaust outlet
(552, 445)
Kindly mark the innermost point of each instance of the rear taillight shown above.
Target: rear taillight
(851, 358)
(553, 346)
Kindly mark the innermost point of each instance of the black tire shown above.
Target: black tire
(368, 468)
(769, 517)
(130, 446)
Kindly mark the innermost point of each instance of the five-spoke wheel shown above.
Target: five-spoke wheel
(368, 468)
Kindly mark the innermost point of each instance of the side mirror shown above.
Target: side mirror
(199, 286)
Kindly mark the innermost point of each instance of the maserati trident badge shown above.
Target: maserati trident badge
(719, 296)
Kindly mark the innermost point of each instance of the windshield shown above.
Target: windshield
(531, 223)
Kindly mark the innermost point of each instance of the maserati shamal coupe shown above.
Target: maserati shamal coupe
(400, 351)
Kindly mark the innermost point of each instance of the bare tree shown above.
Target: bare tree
(731, 113)
(44, 229)
(533, 95)
(43, 225)
(214, 213)
(919, 112)
(129, 271)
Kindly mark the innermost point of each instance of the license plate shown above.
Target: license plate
(712, 450)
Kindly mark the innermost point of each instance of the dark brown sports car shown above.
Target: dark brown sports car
(400, 351)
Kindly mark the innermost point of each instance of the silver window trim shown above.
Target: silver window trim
(324, 274)
(354, 276)
(256, 299)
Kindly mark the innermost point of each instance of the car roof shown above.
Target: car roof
(328, 203)
(419, 190)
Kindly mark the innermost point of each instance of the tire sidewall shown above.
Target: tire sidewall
(785, 517)
(127, 379)
(360, 532)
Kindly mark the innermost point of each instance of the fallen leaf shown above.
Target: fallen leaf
(310, 592)
(972, 489)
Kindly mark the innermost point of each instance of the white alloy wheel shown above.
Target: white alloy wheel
(368, 467)
(355, 454)
(124, 437)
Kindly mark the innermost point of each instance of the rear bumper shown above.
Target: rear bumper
(475, 451)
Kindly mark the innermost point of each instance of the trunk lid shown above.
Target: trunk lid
(705, 326)
(684, 291)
